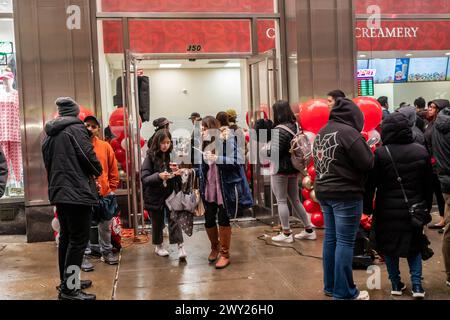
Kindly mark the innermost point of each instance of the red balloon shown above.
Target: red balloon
(84, 112)
(115, 143)
(373, 113)
(306, 194)
(142, 142)
(311, 206)
(116, 122)
(146, 215)
(312, 173)
(120, 155)
(314, 115)
(317, 219)
(365, 135)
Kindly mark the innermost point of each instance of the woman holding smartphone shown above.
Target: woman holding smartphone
(159, 177)
(223, 187)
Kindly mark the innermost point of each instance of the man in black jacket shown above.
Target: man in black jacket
(441, 152)
(342, 160)
(3, 173)
(71, 166)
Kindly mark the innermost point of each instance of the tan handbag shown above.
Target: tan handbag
(200, 210)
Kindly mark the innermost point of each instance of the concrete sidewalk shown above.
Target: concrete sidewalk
(259, 270)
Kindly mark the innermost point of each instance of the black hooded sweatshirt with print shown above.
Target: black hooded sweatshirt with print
(342, 157)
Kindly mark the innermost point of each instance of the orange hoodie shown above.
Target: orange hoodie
(109, 180)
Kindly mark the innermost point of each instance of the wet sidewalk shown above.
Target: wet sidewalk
(259, 270)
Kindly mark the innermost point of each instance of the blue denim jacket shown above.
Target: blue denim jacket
(235, 189)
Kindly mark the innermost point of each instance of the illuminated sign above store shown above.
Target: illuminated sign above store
(399, 32)
(362, 73)
(404, 35)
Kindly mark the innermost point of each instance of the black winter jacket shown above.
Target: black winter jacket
(71, 162)
(3, 173)
(441, 148)
(282, 148)
(155, 193)
(393, 233)
(342, 157)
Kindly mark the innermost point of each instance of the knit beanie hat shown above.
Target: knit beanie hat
(67, 107)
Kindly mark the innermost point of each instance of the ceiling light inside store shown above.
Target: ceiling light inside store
(362, 56)
(232, 65)
(447, 54)
(170, 65)
(409, 54)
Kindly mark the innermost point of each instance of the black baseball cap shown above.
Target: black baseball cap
(194, 115)
(92, 118)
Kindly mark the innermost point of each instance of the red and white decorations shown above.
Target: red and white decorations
(308, 194)
(117, 126)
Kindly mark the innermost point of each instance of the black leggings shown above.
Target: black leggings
(438, 192)
(211, 211)
(158, 224)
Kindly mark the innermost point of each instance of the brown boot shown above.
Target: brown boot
(213, 235)
(225, 240)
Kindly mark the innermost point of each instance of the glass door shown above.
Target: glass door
(263, 92)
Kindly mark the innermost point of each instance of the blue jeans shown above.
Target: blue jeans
(342, 220)
(415, 268)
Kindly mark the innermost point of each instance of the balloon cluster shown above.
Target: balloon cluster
(309, 197)
(116, 124)
(313, 115)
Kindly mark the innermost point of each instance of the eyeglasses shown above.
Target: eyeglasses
(93, 126)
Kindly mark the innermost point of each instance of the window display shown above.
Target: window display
(10, 122)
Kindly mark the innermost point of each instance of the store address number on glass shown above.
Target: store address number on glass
(194, 48)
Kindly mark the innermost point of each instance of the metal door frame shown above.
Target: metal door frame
(270, 60)
(135, 202)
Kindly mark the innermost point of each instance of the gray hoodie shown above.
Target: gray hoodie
(410, 113)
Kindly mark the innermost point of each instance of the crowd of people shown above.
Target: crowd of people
(411, 163)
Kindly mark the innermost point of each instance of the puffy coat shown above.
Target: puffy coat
(71, 162)
(393, 233)
(235, 189)
(3, 173)
(441, 148)
(411, 115)
(155, 193)
(282, 148)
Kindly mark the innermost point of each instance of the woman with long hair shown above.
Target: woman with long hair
(223, 187)
(285, 179)
(159, 177)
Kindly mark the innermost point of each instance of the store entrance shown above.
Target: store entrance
(180, 86)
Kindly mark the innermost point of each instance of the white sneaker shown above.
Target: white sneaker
(363, 295)
(306, 236)
(182, 255)
(160, 251)
(283, 238)
(166, 232)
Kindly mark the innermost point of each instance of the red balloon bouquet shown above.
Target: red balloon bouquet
(116, 122)
(314, 115)
(373, 113)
